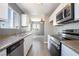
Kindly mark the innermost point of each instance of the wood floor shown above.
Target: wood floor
(39, 48)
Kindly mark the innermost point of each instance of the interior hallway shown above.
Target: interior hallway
(39, 48)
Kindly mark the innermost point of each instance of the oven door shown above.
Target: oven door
(54, 48)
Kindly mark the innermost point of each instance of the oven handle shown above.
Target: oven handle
(55, 44)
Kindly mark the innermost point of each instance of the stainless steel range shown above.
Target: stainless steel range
(54, 46)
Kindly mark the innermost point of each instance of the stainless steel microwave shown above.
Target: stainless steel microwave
(66, 14)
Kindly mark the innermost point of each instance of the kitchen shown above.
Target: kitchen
(39, 29)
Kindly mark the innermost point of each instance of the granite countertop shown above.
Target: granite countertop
(6, 42)
(73, 44)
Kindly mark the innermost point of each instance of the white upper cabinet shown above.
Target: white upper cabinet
(3, 11)
(25, 20)
(76, 11)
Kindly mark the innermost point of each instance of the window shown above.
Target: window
(13, 18)
(36, 26)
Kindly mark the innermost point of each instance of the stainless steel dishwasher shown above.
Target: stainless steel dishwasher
(16, 49)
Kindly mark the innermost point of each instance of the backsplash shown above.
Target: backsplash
(57, 29)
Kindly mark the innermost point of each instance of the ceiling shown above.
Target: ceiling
(38, 9)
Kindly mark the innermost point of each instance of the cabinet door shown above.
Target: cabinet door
(65, 51)
(3, 52)
(3, 11)
(24, 18)
(76, 11)
(27, 44)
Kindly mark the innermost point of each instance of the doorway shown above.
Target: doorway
(38, 28)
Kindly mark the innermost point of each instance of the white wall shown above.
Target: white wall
(41, 28)
(46, 28)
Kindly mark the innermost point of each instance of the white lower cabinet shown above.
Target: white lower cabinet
(66, 51)
(27, 44)
(3, 52)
